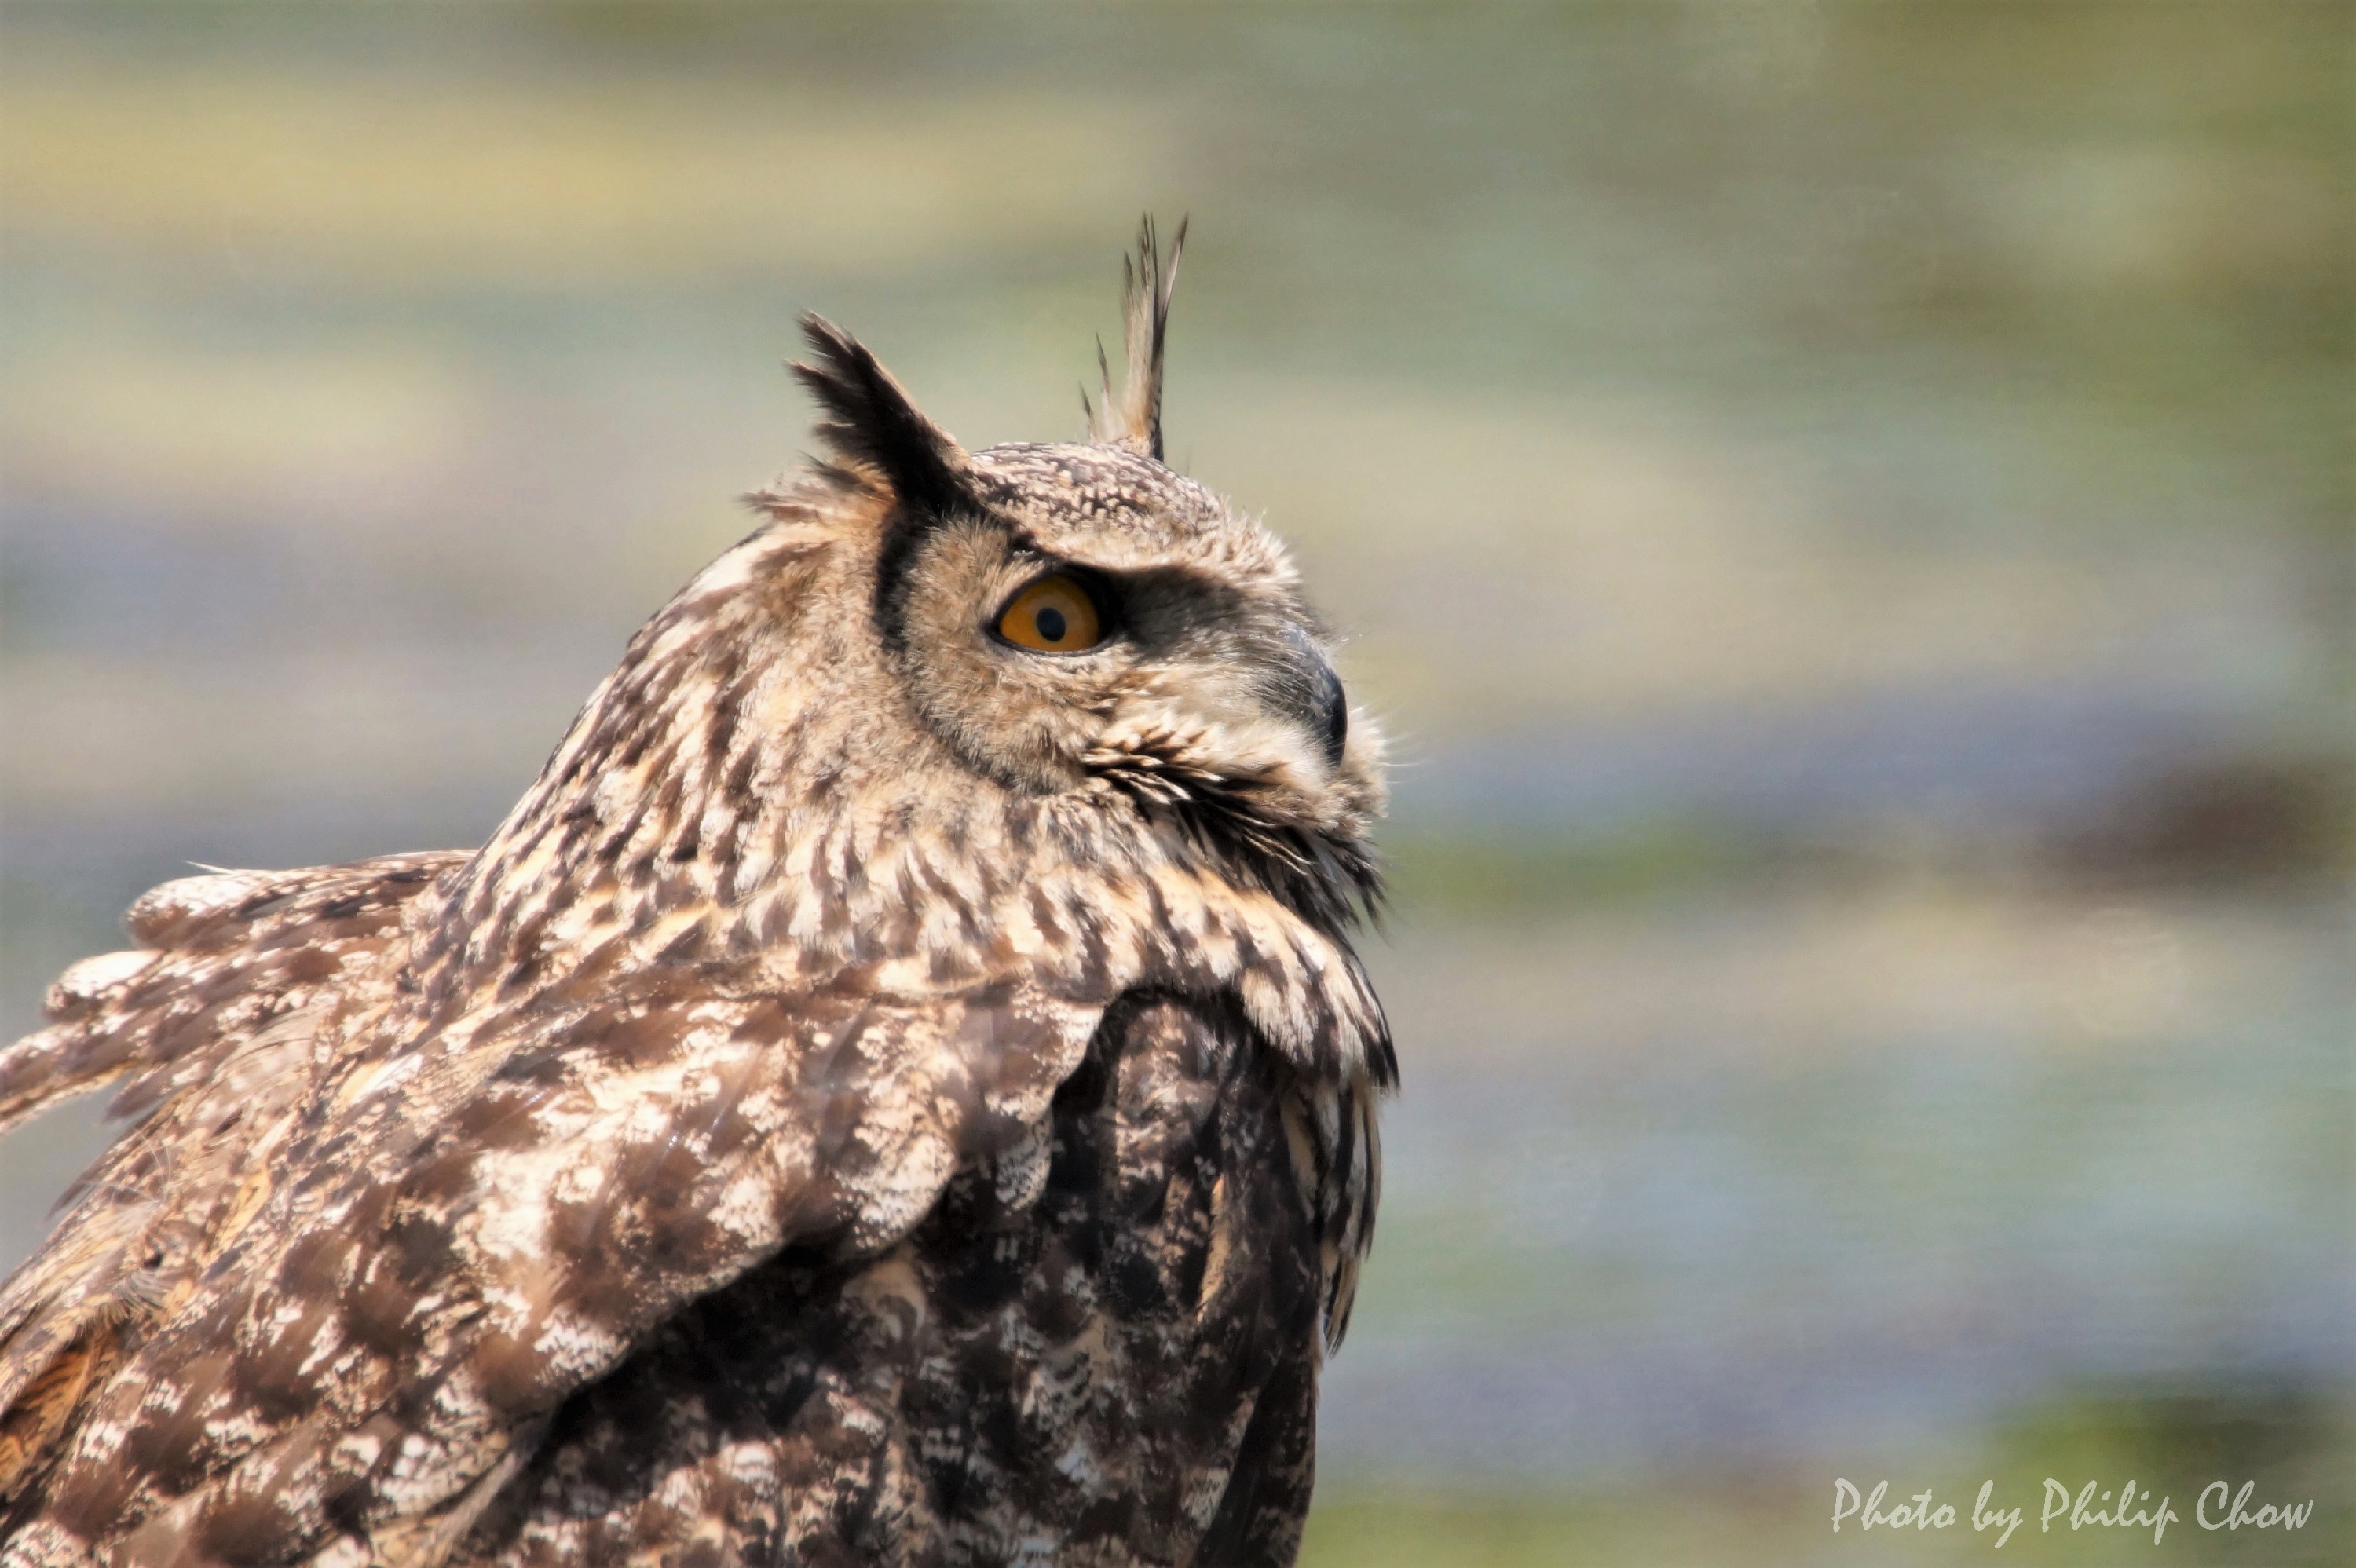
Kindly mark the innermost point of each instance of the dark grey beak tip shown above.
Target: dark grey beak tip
(1335, 705)
(1304, 686)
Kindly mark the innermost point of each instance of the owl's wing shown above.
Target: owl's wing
(479, 1223)
(220, 957)
(1166, 1235)
(206, 1028)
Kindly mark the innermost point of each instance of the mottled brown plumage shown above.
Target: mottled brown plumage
(885, 1095)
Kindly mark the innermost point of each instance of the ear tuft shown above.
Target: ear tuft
(1132, 418)
(871, 421)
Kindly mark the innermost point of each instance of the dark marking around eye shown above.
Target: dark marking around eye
(1051, 624)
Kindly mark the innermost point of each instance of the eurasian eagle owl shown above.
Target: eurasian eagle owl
(897, 1089)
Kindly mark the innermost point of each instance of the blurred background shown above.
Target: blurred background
(1847, 510)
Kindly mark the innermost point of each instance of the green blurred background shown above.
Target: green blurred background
(1845, 508)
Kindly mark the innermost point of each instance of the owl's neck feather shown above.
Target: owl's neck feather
(742, 796)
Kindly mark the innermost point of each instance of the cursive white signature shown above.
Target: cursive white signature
(2128, 1506)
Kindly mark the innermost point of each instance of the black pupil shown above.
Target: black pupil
(1051, 625)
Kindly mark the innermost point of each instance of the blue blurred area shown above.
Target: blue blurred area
(1844, 510)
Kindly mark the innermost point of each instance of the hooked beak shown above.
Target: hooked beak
(1301, 687)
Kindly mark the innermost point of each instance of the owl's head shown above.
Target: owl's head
(1080, 618)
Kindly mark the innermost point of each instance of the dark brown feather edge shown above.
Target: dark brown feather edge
(876, 429)
(873, 423)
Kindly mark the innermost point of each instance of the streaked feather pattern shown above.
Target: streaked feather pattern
(877, 1097)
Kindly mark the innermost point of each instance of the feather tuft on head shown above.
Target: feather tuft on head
(1132, 418)
(873, 425)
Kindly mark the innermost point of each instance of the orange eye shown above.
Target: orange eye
(1053, 615)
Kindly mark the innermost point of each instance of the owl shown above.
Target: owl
(897, 1089)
